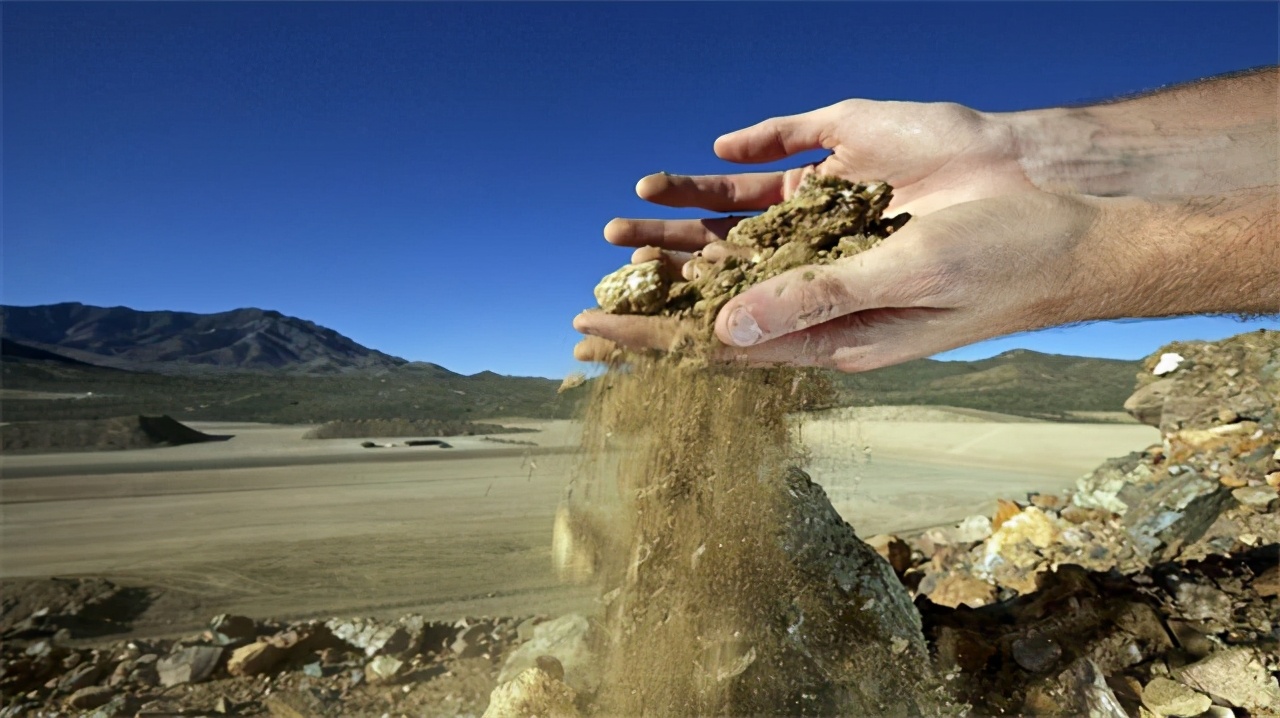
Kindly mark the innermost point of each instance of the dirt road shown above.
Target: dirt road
(465, 536)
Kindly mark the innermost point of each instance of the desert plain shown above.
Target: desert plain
(269, 524)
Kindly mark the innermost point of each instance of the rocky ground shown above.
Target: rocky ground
(1153, 589)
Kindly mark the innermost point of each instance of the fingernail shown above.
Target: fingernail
(743, 329)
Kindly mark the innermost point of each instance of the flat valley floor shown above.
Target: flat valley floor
(271, 525)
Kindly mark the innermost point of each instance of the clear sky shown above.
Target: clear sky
(431, 179)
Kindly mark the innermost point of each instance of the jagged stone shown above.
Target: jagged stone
(954, 588)
(90, 697)
(80, 677)
(1088, 694)
(1257, 497)
(1236, 676)
(1037, 654)
(384, 669)
(189, 665)
(892, 549)
(255, 658)
(229, 629)
(1166, 697)
(378, 638)
(532, 693)
(563, 639)
(1147, 403)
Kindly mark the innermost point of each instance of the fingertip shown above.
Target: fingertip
(617, 230)
(725, 145)
(594, 349)
(584, 322)
(646, 254)
(653, 185)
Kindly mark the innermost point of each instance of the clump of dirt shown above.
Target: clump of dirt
(730, 586)
(827, 219)
(369, 428)
(126, 432)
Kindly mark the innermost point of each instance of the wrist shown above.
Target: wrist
(1122, 149)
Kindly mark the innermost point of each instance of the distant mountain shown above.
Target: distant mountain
(185, 342)
(11, 351)
(1017, 382)
(256, 365)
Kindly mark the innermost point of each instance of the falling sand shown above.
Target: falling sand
(730, 586)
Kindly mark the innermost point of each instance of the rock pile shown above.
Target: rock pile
(312, 668)
(1152, 587)
(1151, 590)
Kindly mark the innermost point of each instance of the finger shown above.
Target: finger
(860, 341)
(893, 274)
(631, 332)
(683, 235)
(672, 262)
(718, 193)
(595, 349)
(776, 138)
(711, 259)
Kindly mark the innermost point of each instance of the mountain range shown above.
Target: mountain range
(178, 342)
(259, 365)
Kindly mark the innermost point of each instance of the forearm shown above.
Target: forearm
(1204, 138)
(1167, 257)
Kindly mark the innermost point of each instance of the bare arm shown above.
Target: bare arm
(1211, 136)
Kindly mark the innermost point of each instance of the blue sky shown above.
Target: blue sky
(431, 179)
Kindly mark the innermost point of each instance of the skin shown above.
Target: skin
(1152, 206)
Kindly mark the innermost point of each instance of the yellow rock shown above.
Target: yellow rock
(532, 693)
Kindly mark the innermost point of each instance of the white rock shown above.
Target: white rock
(1169, 361)
(565, 639)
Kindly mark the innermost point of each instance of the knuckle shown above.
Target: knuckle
(820, 297)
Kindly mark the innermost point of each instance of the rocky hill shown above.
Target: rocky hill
(185, 342)
(1016, 382)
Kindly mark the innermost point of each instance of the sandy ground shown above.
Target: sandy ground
(271, 525)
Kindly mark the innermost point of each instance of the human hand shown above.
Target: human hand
(934, 155)
(988, 251)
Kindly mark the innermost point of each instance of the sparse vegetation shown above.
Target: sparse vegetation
(367, 428)
(410, 392)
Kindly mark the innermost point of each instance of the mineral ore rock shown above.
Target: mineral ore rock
(532, 693)
(827, 218)
(634, 289)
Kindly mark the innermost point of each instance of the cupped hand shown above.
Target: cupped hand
(985, 254)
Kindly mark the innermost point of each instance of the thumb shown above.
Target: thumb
(883, 277)
(776, 138)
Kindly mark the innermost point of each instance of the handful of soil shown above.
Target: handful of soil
(827, 219)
